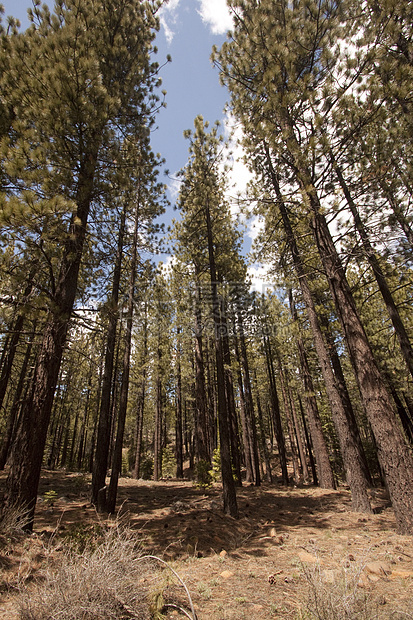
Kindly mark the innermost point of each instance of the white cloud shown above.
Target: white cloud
(260, 280)
(174, 186)
(256, 225)
(168, 17)
(238, 175)
(216, 14)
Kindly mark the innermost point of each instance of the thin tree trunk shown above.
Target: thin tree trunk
(309, 444)
(157, 459)
(294, 455)
(276, 414)
(100, 464)
(140, 408)
(249, 477)
(229, 492)
(11, 426)
(124, 389)
(263, 435)
(12, 342)
(178, 408)
(201, 430)
(251, 425)
(299, 439)
(229, 391)
(324, 477)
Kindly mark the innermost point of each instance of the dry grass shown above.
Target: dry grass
(341, 595)
(13, 521)
(104, 581)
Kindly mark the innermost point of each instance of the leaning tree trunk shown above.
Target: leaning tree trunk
(26, 463)
(346, 430)
(398, 325)
(395, 456)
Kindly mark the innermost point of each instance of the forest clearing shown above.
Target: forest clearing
(265, 565)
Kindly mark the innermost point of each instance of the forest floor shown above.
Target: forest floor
(293, 551)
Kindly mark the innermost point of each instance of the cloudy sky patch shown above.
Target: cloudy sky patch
(216, 15)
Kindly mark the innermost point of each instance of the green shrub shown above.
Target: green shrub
(168, 463)
(203, 477)
(147, 468)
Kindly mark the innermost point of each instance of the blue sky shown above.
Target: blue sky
(189, 30)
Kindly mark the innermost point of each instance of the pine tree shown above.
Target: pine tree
(75, 79)
(277, 63)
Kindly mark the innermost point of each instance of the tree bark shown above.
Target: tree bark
(11, 426)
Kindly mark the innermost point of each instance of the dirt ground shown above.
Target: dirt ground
(261, 566)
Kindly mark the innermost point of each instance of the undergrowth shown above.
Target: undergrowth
(84, 580)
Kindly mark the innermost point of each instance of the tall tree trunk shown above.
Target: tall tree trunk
(228, 484)
(344, 393)
(124, 389)
(394, 454)
(309, 444)
(83, 430)
(201, 430)
(298, 436)
(324, 476)
(157, 459)
(178, 408)
(232, 413)
(294, 455)
(251, 425)
(249, 477)
(7, 362)
(263, 436)
(275, 409)
(140, 405)
(100, 464)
